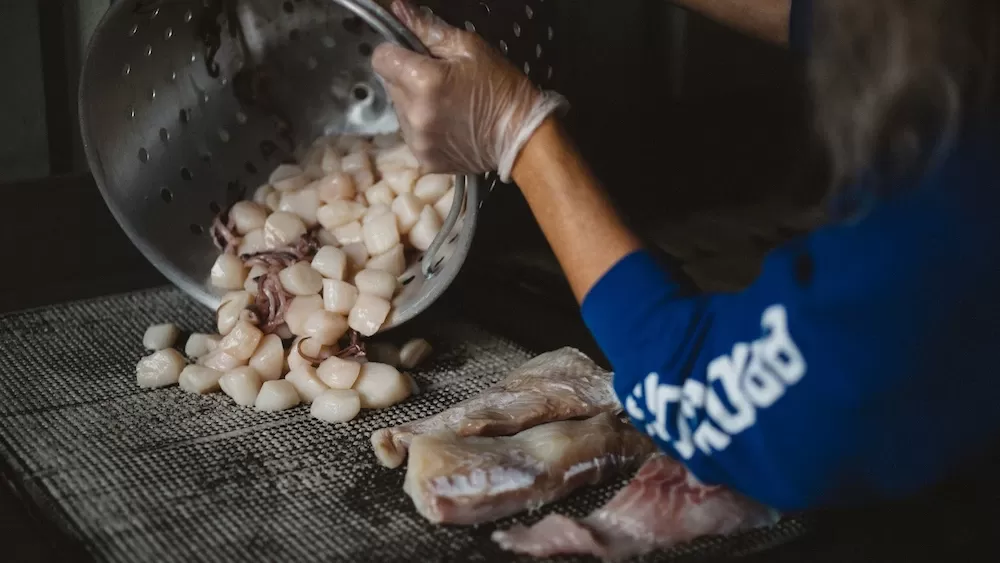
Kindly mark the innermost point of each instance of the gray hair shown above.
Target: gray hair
(894, 80)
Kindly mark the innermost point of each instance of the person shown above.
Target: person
(856, 367)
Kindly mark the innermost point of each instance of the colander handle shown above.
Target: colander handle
(389, 26)
(385, 23)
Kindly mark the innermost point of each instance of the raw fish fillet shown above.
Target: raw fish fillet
(664, 505)
(456, 480)
(559, 385)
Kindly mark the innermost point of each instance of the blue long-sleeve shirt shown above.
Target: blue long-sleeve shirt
(858, 366)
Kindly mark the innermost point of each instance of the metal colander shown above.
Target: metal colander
(186, 106)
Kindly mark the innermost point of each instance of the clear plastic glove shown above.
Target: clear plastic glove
(466, 110)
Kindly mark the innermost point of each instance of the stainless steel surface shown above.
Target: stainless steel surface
(184, 112)
(429, 264)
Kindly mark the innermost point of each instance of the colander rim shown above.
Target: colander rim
(379, 19)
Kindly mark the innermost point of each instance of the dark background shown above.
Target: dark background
(675, 113)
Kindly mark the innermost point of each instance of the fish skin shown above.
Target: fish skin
(560, 385)
(471, 480)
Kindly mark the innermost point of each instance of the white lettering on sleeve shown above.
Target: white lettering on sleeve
(665, 394)
(738, 385)
(692, 397)
(692, 401)
(761, 386)
(633, 410)
(778, 350)
(683, 445)
(708, 438)
(726, 371)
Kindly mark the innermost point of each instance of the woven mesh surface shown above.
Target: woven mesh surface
(162, 475)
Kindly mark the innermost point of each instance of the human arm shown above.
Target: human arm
(820, 383)
(585, 234)
(814, 387)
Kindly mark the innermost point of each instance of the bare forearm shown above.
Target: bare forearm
(588, 238)
(764, 19)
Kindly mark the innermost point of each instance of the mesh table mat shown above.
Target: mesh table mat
(139, 475)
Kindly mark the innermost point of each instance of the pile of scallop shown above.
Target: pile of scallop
(311, 266)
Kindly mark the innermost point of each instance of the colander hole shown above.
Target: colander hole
(365, 50)
(312, 63)
(538, 51)
(166, 196)
(552, 33)
(194, 57)
(133, 30)
(503, 46)
(549, 73)
(328, 42)
(168, 33)
(143, 155)
(438, 263)
(188, 16)
(224, 81)
(164, 135)
(152, 93)
(453, 238)
(155, 13)
(130, 112)
(406, 281)
(470, 27)
(186, 175)
(149, 50)
(295, 35)
(196, 229)
(214, 208)
(517, 29)
(250, 167)
(529, 12)
(360, 93)
(288, 7)
(185, 116)
(267, 149)
(126, 70)
(206, 157)
(352, 25)
(223, 135)
(486, 7)
(173, 76)
(527, 68)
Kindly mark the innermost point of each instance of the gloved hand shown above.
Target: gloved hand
(465, 111)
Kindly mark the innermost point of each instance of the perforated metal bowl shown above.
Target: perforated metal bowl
(187, 105)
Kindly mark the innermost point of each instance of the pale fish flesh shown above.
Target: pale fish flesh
(559, 385)
(455, 480)
(664, 505)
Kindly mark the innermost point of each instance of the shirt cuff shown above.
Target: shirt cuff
(621, 301)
